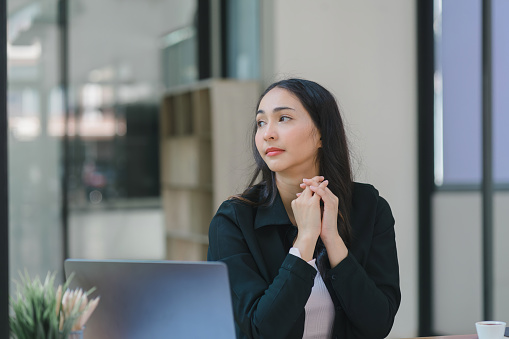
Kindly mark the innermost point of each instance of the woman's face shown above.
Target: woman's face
(286, 137)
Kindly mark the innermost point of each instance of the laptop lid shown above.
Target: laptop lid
(155, 299)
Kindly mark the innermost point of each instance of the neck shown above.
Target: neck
(288, 187)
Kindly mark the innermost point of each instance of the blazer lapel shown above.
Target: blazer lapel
(268, 221)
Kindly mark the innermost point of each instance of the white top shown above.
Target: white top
(319, 307)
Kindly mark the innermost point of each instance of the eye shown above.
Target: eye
(284, 118)
(260, 123)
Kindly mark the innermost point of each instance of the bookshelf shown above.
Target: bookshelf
(205, 136)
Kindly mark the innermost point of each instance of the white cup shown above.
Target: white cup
(490, 329)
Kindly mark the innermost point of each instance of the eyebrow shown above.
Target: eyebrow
(277, 109)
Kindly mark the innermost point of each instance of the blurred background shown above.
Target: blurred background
(95, 88)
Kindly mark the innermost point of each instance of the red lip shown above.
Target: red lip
(273, 151)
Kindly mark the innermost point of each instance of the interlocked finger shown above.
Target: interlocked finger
(315, 181)
(325, 193)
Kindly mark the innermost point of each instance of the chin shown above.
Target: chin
(274, 167)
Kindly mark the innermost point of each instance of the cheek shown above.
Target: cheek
(309, 140)
(259, 142)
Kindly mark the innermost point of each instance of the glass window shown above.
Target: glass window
(122, 55)
(243, 39)
(35, 237)
(458, 162)
(500, 89)
(458, 139)
(459, 57)
(179, 60)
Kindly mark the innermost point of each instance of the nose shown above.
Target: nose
(270, 131)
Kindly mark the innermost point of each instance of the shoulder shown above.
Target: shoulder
(367, 201)
(233, 208)
(230, 227)
(367, 194)
(225, 230)
(364, 192)
(240, 206)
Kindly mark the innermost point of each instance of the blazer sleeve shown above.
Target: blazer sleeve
(370, 294)
(262, 309)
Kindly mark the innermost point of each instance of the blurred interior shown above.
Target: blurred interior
(87, 82)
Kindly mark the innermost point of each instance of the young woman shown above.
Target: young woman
(310, 253)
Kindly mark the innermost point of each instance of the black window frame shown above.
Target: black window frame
(4, 201)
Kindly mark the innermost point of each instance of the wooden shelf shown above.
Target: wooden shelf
(202, 188)
(197, 238)
(186, 161)
(180, 249)
(187, 211)
(205, 131)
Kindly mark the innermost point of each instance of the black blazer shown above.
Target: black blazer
(271, 287)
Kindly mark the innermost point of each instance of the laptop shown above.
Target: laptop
(155, 299)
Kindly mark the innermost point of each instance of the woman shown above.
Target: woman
(310, 253)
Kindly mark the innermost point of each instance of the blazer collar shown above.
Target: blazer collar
(274, 214)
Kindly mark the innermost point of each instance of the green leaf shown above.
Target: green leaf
(32, 311)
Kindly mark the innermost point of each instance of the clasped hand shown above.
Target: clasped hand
(315, 221)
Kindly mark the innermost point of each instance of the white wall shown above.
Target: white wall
(365, 53)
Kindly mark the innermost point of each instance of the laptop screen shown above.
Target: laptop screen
(155, 299)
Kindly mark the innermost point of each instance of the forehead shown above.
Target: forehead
(280, 97)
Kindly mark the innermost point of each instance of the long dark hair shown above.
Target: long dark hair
(333, 158)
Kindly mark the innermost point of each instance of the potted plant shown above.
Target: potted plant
(41, 312)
